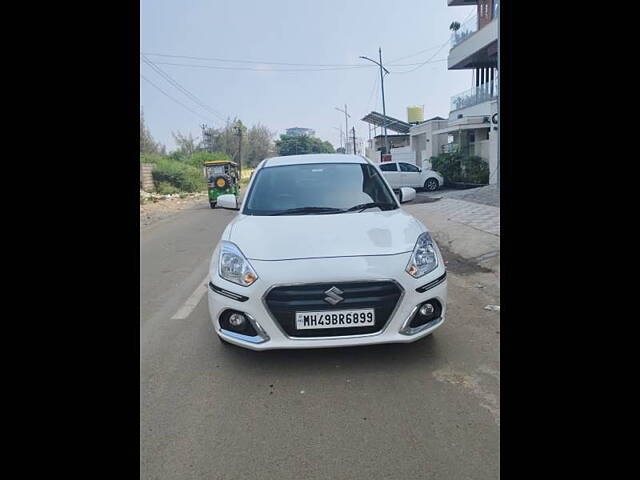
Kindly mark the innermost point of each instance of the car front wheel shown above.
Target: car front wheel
(431, 184)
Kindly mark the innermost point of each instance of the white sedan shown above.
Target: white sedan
(402, 174)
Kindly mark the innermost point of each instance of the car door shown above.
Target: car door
(391, 173)
(410, 175)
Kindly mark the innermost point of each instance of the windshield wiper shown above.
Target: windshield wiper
(309, 210)
(364, 206)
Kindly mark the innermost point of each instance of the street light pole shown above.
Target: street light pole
(346, 125)
(384, 109)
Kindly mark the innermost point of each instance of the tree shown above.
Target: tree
(259, 145)
(187, 145)
(302, 144)
(148, 146)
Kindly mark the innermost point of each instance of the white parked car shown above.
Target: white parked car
(321, 255)
(402, 174)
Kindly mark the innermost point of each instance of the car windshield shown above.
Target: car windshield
(318, 188)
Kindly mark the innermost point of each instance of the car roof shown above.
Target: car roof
(313, 158)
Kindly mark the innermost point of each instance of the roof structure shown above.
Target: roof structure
(391, 123)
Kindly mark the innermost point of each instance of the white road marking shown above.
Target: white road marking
(192, 302)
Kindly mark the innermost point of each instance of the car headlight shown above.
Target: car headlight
(233, 266)
(424, 258)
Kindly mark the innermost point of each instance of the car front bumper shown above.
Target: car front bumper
(224, 295)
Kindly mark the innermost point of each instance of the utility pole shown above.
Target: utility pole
(206, 139)
(239, 129)
(346, 125)
(353, 129)
(384, 109)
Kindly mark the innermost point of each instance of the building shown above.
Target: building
(471, 126)
(359, 146)
(298, 131)
(474, 46)
(399, 142)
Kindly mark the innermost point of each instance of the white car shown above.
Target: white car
(321, 255)
(403, 174)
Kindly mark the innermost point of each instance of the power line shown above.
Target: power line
(426, 49)
(175, 100)
(182, 88)
(216, 59)
(217, 67)
(426, 61)
(375, 87)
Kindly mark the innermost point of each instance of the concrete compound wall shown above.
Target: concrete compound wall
(146, 178)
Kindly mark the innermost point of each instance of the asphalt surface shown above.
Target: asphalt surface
(209, 411)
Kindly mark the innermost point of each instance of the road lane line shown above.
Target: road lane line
(192, 302)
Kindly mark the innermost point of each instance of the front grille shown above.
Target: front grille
(283, 303)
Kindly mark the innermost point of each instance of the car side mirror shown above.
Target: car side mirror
(228, 201)
(406, 194)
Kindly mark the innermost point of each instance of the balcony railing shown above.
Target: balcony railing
(466, 29)
(475, 95)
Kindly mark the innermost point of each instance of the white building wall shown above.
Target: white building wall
(481, 110)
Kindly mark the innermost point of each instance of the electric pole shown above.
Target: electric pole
(346, 125)
(354, 140)
(239, 129)
(384, 109)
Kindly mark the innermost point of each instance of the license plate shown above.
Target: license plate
(365, 317)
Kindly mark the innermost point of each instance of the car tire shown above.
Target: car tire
(431, 184)
(212, 204)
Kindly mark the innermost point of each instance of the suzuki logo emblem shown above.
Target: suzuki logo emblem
(333, 296)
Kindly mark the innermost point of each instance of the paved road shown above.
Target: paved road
(424, 410)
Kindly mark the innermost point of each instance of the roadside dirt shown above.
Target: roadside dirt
(155, 207)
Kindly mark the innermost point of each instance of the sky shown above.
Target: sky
(268, 32)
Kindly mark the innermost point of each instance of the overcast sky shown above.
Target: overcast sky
(327, 32)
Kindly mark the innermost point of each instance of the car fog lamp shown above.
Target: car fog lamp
(427, 310)
(237, 319)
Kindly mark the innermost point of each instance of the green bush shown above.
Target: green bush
(165, 188)
(456, 167)
(151, 157)
(183, 177)
(198, 158)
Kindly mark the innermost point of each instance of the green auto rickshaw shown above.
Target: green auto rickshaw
(222, 178)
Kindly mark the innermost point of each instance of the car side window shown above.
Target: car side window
(406, 167)
(388, 167)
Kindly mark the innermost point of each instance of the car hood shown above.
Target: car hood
(316, 236)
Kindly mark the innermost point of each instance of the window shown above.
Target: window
(338, 186)
(388, 167)
(407, 167)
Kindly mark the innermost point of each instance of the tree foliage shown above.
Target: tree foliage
(147, 144)
(302, 144)
(257, 142)
(457, 167)
(259, 145)
(187, 145)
